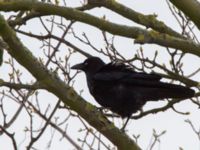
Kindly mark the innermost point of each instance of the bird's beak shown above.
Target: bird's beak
(78, 66)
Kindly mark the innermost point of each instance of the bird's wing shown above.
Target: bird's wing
(135, 85)
(135, 79)
(146, 85)
(114, 72)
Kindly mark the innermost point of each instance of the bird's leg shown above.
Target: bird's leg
(123, 128)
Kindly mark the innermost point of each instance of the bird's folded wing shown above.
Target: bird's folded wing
(125, 76)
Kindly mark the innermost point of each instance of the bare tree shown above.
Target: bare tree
(41, 40)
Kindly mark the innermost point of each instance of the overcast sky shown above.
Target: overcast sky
(179, 133)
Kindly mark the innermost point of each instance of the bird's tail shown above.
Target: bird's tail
(167, 90)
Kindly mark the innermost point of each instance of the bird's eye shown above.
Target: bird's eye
(86, 63)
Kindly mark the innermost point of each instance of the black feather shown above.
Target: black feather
(124, 91)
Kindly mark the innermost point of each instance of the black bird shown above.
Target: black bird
(119, 88)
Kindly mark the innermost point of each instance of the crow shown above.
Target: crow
(118, 87)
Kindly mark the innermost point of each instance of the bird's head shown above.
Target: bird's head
(90, 65)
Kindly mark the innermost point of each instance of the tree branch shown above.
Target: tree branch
(148, 21)
(64, 92)
(142, 36)
(190, 8)
(22, 86)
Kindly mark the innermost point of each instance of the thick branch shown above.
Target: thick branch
(63, 91)
(142, 36)
(148, 21)
(190, 8)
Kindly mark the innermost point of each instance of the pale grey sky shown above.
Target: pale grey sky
(179, 134)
